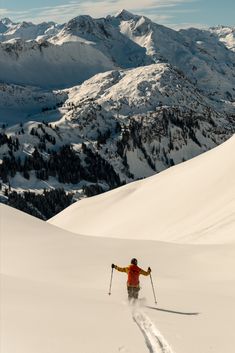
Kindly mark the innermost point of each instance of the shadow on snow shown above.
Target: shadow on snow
(171, 311)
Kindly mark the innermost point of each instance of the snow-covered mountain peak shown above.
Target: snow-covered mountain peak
(6, 21)
(226, 35)
(26, 24)
(106, 37)
(79, 22)
(129, 41)
(142, 89)
(26, 30)
(87, 28)
(5, 24)
(125, 15)
(198, 53)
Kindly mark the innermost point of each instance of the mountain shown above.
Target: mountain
(115, 128)
(6, 22)
(81, 49)
(163, 119)
(104, 102)
(120, 126)
(5, 25)
(106, 38)
(26, 30)
(126, 41)
(199, 54)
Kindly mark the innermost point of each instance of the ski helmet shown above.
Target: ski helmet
(134, 261)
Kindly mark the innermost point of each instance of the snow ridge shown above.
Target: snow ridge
(155, 341)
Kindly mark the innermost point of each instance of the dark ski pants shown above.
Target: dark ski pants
(133, 292)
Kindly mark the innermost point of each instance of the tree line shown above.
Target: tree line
(65, 164)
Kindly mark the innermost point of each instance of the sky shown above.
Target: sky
(172, 13)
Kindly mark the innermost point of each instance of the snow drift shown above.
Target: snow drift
(193, 202)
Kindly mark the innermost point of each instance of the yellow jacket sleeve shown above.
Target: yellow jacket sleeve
(145, 273)
(122, 269)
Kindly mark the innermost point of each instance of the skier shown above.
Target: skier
(133, 272)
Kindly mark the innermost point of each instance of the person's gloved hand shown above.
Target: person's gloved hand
(113, 266)
(149, 269)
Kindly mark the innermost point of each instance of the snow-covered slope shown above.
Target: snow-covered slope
(54, 293)
(193, 202)
(48, 65)
(162, 118)
(141, 90)
(160, 113)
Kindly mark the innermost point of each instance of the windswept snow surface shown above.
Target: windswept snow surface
(193, 202)
(54, 293)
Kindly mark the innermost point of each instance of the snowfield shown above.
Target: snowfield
(193, 202)
(54, 293)
(55, 283)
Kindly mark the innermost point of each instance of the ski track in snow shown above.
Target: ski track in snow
(155, 342)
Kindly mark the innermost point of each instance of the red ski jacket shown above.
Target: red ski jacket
(133, 272)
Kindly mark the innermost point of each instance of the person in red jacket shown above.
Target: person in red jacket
(133, 274)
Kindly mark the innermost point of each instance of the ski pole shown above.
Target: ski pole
(153, 289)
(111, 281)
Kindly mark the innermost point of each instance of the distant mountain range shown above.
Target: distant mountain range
(95, 103)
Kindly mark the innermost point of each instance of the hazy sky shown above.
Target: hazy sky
(172, 13)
